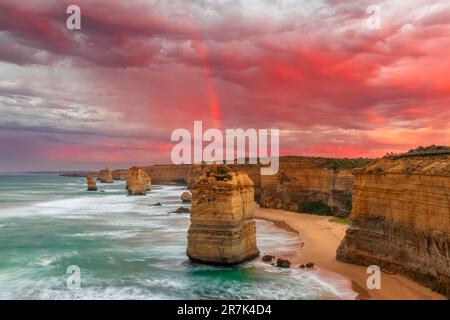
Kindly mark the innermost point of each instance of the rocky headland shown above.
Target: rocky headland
(303, 184)
(401, 218)
(222, 228)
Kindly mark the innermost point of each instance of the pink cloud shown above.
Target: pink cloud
(164, 65)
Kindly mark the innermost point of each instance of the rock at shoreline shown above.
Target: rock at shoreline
(138, 182)
(182, 210)
(309, 265)
(91, 185)
(302, 266)
(283, 263)
(222, 228)
(268, 258)
(105, 176)
(186, 197)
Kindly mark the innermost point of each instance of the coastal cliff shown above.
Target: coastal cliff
(187, 174)
(222, 228)
(311, 185)
(105, 176)
(401, 218)
(173, 174)
(120, 174)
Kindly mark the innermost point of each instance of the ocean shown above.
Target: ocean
(125, 247)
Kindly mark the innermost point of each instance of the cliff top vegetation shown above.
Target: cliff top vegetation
(332, 163)
(429, 149)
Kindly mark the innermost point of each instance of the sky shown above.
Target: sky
(111, 93)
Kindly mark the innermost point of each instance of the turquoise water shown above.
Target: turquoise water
(127, 248)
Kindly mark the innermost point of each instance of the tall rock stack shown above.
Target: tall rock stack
(401, 219)
(92, 186)
(105, 176)
(222, 228)
(138, 182)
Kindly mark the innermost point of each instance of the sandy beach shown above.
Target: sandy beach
(321, 238)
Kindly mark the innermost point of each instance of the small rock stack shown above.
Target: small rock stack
(186, 197)
(222, 228)
(105, 176)
(92, 186)
(138, 182)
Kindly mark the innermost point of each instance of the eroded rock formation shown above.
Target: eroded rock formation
(222, 228)
(313, 182)
(91, 185)
(138, 182)
(105, 176)
(401, 219)
(186, 197)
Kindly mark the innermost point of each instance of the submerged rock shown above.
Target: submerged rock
(138, 181)
(91, 185)
(186, 197)
(182, 210)
(283, 263)
(310, 265)
(222, 228)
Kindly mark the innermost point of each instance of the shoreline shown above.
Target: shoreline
(321, 238)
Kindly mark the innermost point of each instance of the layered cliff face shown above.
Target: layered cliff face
(138, 182)
(120, 174)
(401, 219)
(105, 176)
(311, 182)
(187, 174)
(91, 185)
(172, 174)
(222, 228)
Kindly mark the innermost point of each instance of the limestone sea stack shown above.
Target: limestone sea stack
(92, 186)
(222, 228)
(401, 218)
(105, 176)
(186, 197)
(138, 182)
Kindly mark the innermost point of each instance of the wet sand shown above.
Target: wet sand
(321, 238)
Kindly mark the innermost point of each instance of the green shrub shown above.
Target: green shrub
(341, 220)
(222, 174)
(315, 207)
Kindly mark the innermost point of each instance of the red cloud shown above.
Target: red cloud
(345, 90)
